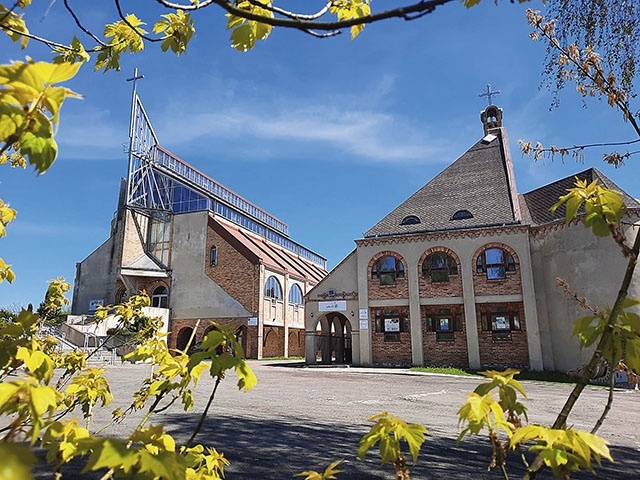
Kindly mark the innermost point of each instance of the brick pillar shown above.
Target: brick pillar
(285, 317)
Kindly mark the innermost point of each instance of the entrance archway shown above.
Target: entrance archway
(333, 340)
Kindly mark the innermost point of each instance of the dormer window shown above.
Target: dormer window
(410, 220)
(462, 215)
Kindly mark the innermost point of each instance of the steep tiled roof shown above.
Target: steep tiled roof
(477, 182)
(539, 201)
(258, 249)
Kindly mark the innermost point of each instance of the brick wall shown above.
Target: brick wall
(445, 353)
(387, 292)
(504, 353)
(296, 343)
(391, 353)
(249, 342)
(511, 285)
(149, 285)
(429, 289)
(273, 342)
(132, 248)
(235, 274)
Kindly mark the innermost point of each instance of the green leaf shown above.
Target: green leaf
(108, 453)
(414, 437)
(632, 354)
(573, 204)
(243, 38)
(581, 324)
(246, 378)
(329, 473)
(43, 398)
(630, 302)
(16, 462)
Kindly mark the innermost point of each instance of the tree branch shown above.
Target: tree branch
(135, 30)
(607, 407)
(408, 13)
(286, 13)
(204, 413)
(80, 26)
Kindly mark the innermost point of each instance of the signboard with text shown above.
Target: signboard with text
(333, 306)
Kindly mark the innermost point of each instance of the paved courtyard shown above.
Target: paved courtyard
(300, 418)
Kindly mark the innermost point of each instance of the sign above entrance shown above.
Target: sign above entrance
(333, 306)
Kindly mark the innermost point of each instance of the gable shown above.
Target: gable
(474, 191)
(539, 202)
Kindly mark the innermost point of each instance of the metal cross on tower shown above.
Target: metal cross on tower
(489, 93)
(145, 189)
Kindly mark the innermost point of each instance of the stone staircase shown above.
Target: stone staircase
(99, 355)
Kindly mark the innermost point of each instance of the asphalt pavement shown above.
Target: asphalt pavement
(303, 418)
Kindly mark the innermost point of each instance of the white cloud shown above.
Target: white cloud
(341, 123)
(91, 134)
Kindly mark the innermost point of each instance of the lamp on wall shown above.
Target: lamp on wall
(311, 314)
(352, 314)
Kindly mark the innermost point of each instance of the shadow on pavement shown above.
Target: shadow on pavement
(280, 449)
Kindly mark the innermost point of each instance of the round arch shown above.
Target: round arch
(503, 259)
(184, 334)
(333, 343)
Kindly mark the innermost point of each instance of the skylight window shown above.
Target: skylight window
(462, 215)
(410, 220)
(489, 138)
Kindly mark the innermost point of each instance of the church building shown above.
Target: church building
(201, 251)
(465, 273)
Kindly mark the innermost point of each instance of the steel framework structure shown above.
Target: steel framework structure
(159, 181)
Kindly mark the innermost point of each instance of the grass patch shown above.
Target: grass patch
(447, 370)
(269, 359)
(551, 377)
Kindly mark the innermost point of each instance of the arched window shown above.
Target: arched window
(160, 297)
(438, 266)
(388, 269)
(410, 220)
(295, 294)
(272, 288)
(495, 262)
(461, 215)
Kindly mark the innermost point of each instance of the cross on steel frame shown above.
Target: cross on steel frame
(145, 189)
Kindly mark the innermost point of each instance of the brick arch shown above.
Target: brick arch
(439, 249)
(386, 253)
(296, 343)
(154, 286)
(487, 246)
(183, 336)
(209, 329)
(151, 286)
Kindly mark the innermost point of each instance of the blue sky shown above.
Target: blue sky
(328, 135)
